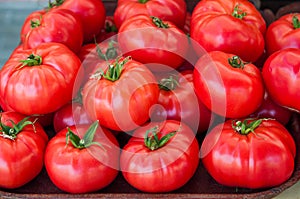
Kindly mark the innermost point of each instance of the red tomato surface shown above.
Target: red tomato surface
(123, 103)
(281, 74)
(21, 156)
(91, 12)
(61, 26)
(169, 10)
(82, 170)
(228, 90)
(44, 84)
(178, 101)
(283, 33)
(258, 159)
(159, 44)
(235, 27)
(163, 169)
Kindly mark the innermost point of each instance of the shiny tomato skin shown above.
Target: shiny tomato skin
(21, 158)
(43, 88)
(182, 103)
(214, 28)
(225, 90)
(282, 34)
(70, 114)
(261, 159)
(162, 49)
(281, 74)
(90, 169)
(160, 170)
(61, 26)
(124, 104)
(92, 14)
(169, 10)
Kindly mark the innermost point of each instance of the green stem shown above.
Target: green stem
(168, 84)
(86, 141)
(296, 22)
(35, 23)
(237, 62)
(55, 3)
(245, 127)
(152, 142)
(12, 132)
(238, 13)
(143, 1)
(110, 28)
(32, 60)
(159, 23)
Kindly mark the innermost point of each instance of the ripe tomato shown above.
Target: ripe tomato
(22, 145)
(121, 95)
(227, 85)
(61, 26)
(159, 44)
(169, 10)
(235, 27)
(160, 157)
(178, 101)
(249, 153)
(89, 158)
(283, 33)
(92, 14)
(39, 80)
(281, 75)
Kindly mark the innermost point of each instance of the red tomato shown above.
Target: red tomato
(159, 44)
(160, 157)
(235, 27)
(281, 74)
(61, 26)
(121, 96)
(39, 80)
(91, 12)
(22, 145)
(86, 162)
(108, 31)
(269, 109)
(178, 101)
(227, 85)
(249, 153)
(169, 10)
(283, 33)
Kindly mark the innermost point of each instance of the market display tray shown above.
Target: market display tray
(202, 185)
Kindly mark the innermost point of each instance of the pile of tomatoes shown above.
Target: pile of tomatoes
(161, 75)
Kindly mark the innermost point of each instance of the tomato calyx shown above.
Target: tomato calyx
(87, 139)
(168, 84)
(111, 51)
(152, 142)
(238, 13)
(237, 62)
(12, 132)
(110, 27)
(32, 60)
(55, 3)
(159, 23)
(246, 126)
(296, 22)
(35, 23)
(113, 72)
(143, 1)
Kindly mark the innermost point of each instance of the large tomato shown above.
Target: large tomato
(169, 10)
(249, 153)
(92, 14)
(281, 75)
(178, 101)
(152, 41)
(283, 33)
(235, 27)
(82, 158)
(121, 95)
(22, 145)
(160, 157)
(61, 26)
(39, 80)
(227, 85)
